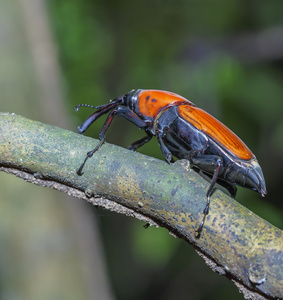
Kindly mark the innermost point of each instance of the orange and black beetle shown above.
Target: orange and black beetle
(186, 132)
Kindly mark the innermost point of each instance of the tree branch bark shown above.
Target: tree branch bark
(235, 242)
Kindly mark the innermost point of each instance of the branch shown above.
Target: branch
(235, 242)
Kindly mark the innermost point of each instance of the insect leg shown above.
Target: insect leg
(207, 163)
(165, 151)
(119, 111)
(134, 146)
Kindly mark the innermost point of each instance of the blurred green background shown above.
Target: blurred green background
(225, 56)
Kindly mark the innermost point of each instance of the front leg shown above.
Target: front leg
(119, 111)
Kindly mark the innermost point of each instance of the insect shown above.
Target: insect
(186, 132)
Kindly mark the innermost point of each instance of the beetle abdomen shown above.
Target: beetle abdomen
(246, 174)
(185, 135)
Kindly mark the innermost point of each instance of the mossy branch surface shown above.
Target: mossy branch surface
(235, 242)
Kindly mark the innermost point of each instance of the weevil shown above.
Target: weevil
(184, 131)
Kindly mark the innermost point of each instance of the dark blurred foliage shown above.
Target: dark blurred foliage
(225, 56)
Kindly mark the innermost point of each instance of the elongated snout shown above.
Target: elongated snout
(101, 110)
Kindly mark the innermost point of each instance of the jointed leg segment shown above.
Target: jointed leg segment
(119, 111)
(212, 162)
